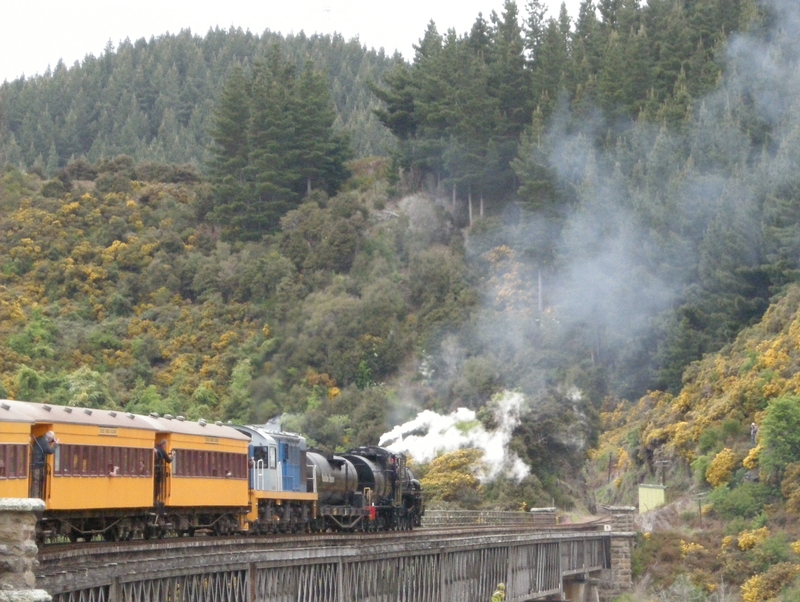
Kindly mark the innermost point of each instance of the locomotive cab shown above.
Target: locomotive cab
(279, 500)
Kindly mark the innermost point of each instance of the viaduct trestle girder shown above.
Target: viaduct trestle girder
(455, 568)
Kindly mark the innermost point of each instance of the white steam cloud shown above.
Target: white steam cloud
(430, 435)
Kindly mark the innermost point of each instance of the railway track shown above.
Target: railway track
(62, 558)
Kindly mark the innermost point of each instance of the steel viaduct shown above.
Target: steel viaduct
(456, 557)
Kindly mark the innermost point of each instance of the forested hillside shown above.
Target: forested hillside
(700, 444)
(636, 160)
(571, 209)
(153, 99)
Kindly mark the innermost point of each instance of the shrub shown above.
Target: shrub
(81, 169)
(721, 468)
(781, 434)
(684, 590)
(708, 441)
(768, 585)
(451, 477)
(750, 539)
(771, 551)
(53, 189)
(700, 467)
(731, 428)
(745, 501)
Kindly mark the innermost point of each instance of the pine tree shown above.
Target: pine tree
(316, 149)
(231, 151)
(508, 77)
(272, 160)
(535, 26)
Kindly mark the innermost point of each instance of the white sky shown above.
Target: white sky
(37, 33)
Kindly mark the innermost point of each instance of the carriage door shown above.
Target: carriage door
(40, 462)
(161, 470)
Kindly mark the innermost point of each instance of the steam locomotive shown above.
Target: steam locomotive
(107, 479)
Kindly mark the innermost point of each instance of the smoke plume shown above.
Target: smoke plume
(430, 435)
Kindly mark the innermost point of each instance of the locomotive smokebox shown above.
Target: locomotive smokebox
(336, 478)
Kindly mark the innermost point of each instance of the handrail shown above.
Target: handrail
(258, 475)
(538, 517)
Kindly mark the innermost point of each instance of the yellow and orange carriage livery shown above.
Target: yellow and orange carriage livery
(102, 478)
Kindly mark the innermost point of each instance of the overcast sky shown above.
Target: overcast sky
(37, 33)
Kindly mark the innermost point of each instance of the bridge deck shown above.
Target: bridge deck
(423, 566)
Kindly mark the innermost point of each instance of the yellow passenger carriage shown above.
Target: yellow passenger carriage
(205, 483)
(15, 433)
(103, 478)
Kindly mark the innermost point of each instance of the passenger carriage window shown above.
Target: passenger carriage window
(66, 459)
(23, 457)
(141, 464)
(112, 461)
(133, 462)
(11, 461)
(144, 463)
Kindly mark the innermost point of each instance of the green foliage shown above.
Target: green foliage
(451, 478)
(745, 501)
(707, 443)
(731, 429)
(29, 384)
(774, 550)
(273, 141)
(36, 339)
(154, 100)
(700, 466)
(781, 434)
(88, 389)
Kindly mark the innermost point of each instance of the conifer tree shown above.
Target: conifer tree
(508, 77)
(318, 151)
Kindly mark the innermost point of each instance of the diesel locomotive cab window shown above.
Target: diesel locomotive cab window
(13, 461)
